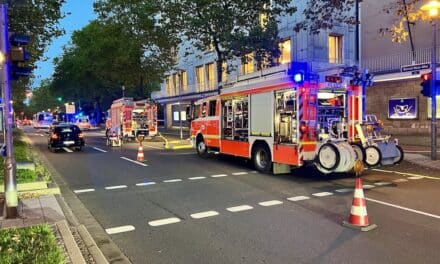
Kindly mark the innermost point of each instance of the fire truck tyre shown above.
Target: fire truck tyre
(400, 155)
(202, 150)
(360, 152)
(329, 156)
(372, 156)
(261, 158)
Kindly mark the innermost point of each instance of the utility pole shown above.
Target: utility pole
(434, 91)
(180, 103)
(10, 164)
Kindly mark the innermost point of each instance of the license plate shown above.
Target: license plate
(68, 142)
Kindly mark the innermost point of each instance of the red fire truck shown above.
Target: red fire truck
(131, 118)
(271, 120)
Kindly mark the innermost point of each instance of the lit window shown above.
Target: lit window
(335, 48)
(167, 86)
(263, 18)
(184, 81)
(210, 72)
(224, 71)
(175, 84)
(248, 65)
(200, 78)
(170, 83)
(285, 49)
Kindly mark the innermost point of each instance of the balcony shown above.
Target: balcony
(392, 63)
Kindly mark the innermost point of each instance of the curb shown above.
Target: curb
(40, 192)
(70, 243)
(29, 186)
(91, 245)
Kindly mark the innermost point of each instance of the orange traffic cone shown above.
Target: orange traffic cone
(358, 216)
(140, 156)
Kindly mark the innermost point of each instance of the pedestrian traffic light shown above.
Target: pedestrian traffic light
(299, 71)
(426, 84)
(18, 55)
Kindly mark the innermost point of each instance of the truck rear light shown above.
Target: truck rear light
(54, 136)
(303, 128)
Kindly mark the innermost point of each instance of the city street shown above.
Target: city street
(178, 208)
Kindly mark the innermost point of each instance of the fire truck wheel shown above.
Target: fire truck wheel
(359, 150)
(372, 156)
(329, 156)
(400, 155)
(261, 158)
(202, 150)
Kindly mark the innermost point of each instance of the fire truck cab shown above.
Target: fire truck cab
(271, 120)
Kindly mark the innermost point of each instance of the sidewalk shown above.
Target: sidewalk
(46, 210)
(174, 140)
(422, 160)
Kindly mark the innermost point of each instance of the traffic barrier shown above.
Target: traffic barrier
(358, 215)
(140, 155)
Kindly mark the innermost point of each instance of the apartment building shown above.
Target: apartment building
(195, 75)
(395, 96)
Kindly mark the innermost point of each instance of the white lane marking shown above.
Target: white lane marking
(322, 194)
(240, 173)
(298, 198)
(239, 208)
(204, 214)
(173, 180)
(145, 183)
(154, 147)
(415, 177)
(344, 190)
(98, 149)
(36, 134)
(382, 183)
(165, 221)
(119, 229)
(41, 135)
(68, 150)
(219, 175)
(270, 203)
(403, 208)
(400, 180)
(134, 161)
(408, 174)
(367, 187)
(253, 171)
(115, 187)
(84, 190)
(196, 178)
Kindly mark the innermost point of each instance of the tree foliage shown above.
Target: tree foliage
(230, 27)
(324, 15)
(42, 98)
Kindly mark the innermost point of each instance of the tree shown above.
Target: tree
(324, 15)
(42, 98)
(225, 25)
(38, 19)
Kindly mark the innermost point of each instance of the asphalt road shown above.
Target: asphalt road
(178, 208)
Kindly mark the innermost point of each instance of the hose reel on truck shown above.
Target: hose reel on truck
(335, 156)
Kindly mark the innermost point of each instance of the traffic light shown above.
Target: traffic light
(18, 55)
(426, 84)
(299, 71)
(59, 99)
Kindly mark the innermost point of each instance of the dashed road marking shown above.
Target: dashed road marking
(322, 194)
(134, 161)
(408, 174)
(115, 187)
(41, 135)
(400, 180)
(298, 198)
(403, 208)
(145, 183)
(344, 190)
(240, 173)
(196, 178)
(204, 214)
(98, 149)
(173, 180)
(270, 203)
(165, 221)
(382, 183)
(416, 177)
(84, 190)
(367, 186)
(239, 208)
(119, 229)
(253, 172)
(68, 150)
(219, 175)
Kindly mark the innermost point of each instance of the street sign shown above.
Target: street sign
(415, 67)
(70, 109)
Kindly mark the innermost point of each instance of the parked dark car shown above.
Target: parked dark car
(65, 135)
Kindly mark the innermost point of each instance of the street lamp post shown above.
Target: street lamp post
(433, 8)
(180, 104)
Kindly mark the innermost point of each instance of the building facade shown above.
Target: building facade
(195, 75)
(396, 95)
